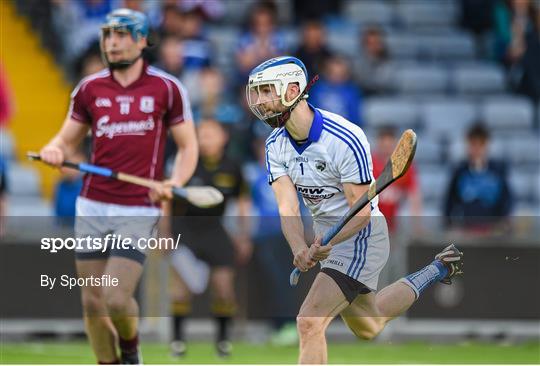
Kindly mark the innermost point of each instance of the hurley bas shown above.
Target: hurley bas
(70, 282)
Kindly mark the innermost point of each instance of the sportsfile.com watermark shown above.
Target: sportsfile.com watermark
(108, 242)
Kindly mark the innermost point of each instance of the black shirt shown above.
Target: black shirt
(224, 174)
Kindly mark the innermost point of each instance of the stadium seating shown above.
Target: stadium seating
(428, 151)
(448, 117)
(522, 183)
(439, 45)
(507, 112)
(422, 13)
(523, 150)
(23, 181)
(27, 207)
(344, 41)
(433, 183)
(478, 78)
(382, 111)
(7, 145)
(368, 11)
(447, 46)
(420, 78)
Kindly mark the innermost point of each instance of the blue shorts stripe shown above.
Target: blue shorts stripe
(360, 234)
(355, 138)
(365, 245)
(352, 148)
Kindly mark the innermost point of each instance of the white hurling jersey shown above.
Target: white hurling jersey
(337, 152)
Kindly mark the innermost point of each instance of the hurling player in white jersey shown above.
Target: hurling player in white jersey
(327, 160)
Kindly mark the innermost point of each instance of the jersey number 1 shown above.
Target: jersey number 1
(302, 168)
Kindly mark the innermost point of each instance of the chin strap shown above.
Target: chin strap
(123, 64)
(286, 115)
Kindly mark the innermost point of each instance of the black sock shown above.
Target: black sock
(179, 311)
(129, 346)
(178, 328)
(223, 324)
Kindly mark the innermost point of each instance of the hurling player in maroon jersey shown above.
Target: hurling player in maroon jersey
(129, 107)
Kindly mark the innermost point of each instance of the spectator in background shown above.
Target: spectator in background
(170, 58)
(3, 192)
(313, 50)
(204, 236)
(336, 92)
(476, 15)
(272, 251)
(6, 112)
(511, 20)
(171, 20)
(210, 9)
(370, 69)
(170, 55)
(90, 62)
(405, 189)
(66, 192)
(261, 41)
(6, 100)
(211, 99)
(478, 194)
(525, 69)
(79, 23)
(197, 49)
(309, 9)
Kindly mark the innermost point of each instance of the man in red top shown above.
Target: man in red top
(405, 188)
(129, 108)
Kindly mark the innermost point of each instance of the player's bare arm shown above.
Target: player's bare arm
(291, 222)
(185, 161)
(66, 141)
(352, 193)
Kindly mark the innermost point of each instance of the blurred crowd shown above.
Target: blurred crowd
(187, 34)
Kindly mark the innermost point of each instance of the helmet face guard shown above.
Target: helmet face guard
(267, 87)
(266, 101)
(124, 21)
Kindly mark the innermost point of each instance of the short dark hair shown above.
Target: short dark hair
(478, 131)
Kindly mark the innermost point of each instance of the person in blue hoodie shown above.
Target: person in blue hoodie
(336, 92)
(478, 194)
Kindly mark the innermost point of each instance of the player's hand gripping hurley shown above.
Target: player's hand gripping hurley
(202, 196)
(397, 166)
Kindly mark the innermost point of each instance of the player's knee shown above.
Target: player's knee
(368, 333)
(93, 304)
(117, 303)
(309, 326)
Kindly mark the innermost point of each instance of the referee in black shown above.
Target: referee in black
(203, 234)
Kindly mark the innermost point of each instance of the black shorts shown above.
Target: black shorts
(207, 239)
(350, 287)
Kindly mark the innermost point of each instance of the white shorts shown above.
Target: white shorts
(97, 219)
(363, 256)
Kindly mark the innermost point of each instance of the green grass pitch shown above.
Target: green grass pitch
(471, 353)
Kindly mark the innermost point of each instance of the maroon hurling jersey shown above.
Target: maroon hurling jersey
(129, 128)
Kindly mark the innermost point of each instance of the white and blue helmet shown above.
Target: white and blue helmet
(278, 73)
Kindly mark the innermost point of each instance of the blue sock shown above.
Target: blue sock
(419, 281)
